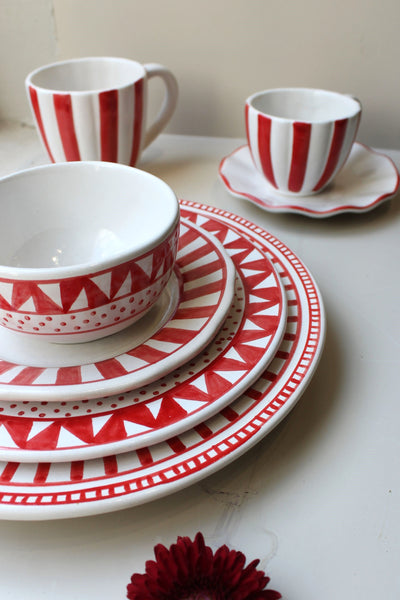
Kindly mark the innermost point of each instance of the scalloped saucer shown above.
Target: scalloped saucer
(367, 179)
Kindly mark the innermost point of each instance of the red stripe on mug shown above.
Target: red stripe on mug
(264, 147)
(108, 106)
(137, 122)
(339, 133)
(300, 147)
(246, 115)
(36, 109)
(66, 127)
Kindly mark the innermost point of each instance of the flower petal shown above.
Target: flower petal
(190, 569)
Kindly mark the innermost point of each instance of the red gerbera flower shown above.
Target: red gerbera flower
(190, 570)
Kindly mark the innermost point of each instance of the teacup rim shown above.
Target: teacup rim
(293, 89)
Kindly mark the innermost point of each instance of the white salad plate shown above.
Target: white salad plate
(240, 351)
(35, 491)
(182, 322)
(366, 180)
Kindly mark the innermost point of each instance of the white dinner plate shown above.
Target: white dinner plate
(179, 326)
(71, 489)
(245, 344)
(367, 179)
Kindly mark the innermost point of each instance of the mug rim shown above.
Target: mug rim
(357, 107)
(29, 80)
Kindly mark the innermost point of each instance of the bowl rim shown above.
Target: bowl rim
(93, 267)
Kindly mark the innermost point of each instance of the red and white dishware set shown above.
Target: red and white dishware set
(147, 342)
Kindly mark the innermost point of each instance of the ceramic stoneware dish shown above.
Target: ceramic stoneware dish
(86, 248)
(95, 108)
(49, 490)
(300, 138)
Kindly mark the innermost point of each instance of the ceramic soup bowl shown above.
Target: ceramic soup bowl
(86, 248)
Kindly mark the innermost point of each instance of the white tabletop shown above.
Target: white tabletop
(318, 498)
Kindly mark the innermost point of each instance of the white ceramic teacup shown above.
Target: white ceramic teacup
(300, 138)
(95, 108)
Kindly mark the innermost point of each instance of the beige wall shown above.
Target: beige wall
(220, 50)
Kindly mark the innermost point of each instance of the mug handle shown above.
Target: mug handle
(169, 104)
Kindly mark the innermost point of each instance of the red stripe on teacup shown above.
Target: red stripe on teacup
(339, 133)
(66, 127)
(247, 116)
(137, 122)
(264, 147)
(300, 147)
(108, 106)
(36, 109)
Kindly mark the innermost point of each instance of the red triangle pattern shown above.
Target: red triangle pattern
(25, 290)
(4, 305)
(71, 288)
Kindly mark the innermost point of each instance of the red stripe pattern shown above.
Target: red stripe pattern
(301, 144)
(264, 147)
(334, 153)
(65, 120)
(299, 157)
(137, 122)
(73, 128)
(108, 105)
(36, 110)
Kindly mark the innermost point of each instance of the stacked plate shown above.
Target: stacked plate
(221, 358)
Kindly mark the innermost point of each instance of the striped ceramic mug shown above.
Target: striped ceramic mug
(300, 138)
(95, 108)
